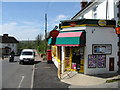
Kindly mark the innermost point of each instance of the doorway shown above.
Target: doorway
(111, 64)
(78, 59)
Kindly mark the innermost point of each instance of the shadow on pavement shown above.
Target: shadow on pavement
(108, 75)
(36, 62)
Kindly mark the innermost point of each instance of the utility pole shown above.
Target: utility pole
(45, 32)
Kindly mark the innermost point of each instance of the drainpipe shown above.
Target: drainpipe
(106, 9)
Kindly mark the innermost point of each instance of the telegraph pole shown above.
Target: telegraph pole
(45, 32)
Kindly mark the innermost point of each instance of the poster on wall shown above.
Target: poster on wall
(96, 61)
(92, 61)
(101, 61)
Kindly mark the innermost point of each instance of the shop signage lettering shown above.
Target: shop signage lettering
(72, 24)
(102, 23)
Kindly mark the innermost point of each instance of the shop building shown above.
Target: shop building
(87, 46)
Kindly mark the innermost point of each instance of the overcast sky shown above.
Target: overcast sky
(25, 20)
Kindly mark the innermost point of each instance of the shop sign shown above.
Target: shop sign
(54, 33)
(102, 23)
(72, 24)
(102, 48)
(117, 30)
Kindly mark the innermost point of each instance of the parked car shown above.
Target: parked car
(27, 55)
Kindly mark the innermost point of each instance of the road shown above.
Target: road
(15, 75)
(46, 77)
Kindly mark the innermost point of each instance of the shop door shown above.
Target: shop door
(111, 64)
(78, 59)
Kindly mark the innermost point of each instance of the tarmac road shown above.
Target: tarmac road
(46, 76)
(15, 75)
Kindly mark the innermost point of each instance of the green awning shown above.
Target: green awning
(68, 39)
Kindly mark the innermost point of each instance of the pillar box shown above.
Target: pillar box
(49, 56)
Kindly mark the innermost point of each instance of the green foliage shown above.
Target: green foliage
(26, 44)
(112, 80)
(118, 22)
(41, 47)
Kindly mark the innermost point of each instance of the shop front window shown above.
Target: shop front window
(54, 50)
(67, 58)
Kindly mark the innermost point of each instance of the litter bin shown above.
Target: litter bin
(49, 56)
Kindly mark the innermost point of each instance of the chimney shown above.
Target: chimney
(5, 35)
(83, 3)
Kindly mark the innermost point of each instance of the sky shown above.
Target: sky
(25, 20)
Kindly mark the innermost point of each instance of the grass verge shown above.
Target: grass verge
(113, 80)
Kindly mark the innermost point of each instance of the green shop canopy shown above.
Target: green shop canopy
(68, 39)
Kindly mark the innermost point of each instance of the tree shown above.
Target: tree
(38, 39)
(40, 43)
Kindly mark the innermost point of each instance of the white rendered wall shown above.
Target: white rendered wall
(101, 11)
(10, 45)
(63, 58)
(100, 36)
(55, 61)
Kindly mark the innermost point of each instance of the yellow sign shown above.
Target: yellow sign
(102, 23)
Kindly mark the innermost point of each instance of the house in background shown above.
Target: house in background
(7, 44)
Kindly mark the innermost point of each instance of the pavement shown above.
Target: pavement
(48, 72)
(45, 75)
(77, 80)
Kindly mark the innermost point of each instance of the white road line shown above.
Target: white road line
(21, 81)
(32, 80)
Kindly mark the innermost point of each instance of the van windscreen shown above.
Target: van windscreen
(27, 53)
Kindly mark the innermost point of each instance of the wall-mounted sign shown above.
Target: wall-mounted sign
(102, 48)
(102, 23)
(54, 33)
(117, 30)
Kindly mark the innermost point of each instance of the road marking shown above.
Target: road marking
(32, 80)
(21, 81)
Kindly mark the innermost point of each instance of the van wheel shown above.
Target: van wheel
(19, 62)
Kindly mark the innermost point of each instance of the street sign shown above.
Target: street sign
(54, 33)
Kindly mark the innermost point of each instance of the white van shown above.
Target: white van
(27, 55)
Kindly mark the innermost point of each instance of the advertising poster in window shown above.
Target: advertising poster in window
(91, 61)
(101, 61)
